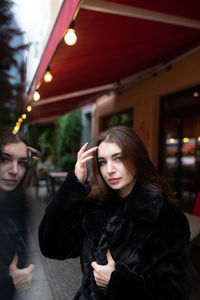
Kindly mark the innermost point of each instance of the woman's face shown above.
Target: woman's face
(113, 170)
(12, 165)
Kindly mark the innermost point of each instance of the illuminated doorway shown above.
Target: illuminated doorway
(179, 155)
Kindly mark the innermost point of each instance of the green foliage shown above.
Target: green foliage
(46, 141)
(67, 139)
(59, 142)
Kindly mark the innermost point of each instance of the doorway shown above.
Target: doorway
(179, 153)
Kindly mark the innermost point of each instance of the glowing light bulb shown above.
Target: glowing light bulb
(70, 37)
(36, 96)
(20, 120)
(16, 128)
(14, 131)
(48, 76)
(24, 116)
(29, 108)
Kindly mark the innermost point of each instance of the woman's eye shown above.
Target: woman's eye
(102, 163)
(118, 158)
(22, 164)
(5, 160)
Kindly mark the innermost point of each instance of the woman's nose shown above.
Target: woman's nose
(110, 167)
(13, 168)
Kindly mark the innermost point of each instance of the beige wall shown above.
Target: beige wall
(144, 98)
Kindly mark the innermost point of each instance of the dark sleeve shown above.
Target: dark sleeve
(60, 232)
(162, 270)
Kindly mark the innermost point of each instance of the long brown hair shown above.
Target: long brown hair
(134, 156)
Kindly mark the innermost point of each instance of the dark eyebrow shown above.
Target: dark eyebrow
(114, 155)
(10, 156)
(6, 154)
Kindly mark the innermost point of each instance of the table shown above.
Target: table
(56, 175)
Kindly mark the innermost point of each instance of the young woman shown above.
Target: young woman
(14, 273)
(131, 238)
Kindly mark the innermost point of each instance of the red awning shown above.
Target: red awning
(117, 40)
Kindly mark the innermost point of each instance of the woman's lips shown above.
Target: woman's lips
(10, 181)
(114, 180)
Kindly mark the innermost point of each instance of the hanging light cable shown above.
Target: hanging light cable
(70, 37)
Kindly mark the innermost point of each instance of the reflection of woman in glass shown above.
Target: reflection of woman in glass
(14, 273)
(131, 239)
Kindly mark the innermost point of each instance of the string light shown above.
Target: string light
(48, 76)
(14, 131)
(29, 108)
(70, 37)
(24, 116)
(36, 96)
(16, 128)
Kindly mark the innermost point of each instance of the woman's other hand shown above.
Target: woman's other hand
(101, 273)
(82, 158)
(21, 277)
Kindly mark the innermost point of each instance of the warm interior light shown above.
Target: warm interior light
(185, 140)
(70, 37)
(172, 140)
(48, 76)
(24, 116)
(36, 96)
(18, 124)
(196, 94)
(20, 120)
(29, 108)
(16, 128)
(199, 138)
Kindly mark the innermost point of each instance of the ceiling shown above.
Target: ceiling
(118, 42)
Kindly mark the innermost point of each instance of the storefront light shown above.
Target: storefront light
(196, 94)
(186, 139)
(172, 140)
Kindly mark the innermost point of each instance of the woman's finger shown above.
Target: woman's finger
(88, 152)
(81, 151)
(33, 150)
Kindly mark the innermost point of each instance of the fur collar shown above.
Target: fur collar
(144, 203)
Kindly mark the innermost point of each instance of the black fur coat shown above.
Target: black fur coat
(147, 235)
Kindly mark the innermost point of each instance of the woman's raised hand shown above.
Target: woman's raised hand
(82, 158)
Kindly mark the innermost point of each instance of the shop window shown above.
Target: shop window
(179, 155)
(121, 118)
